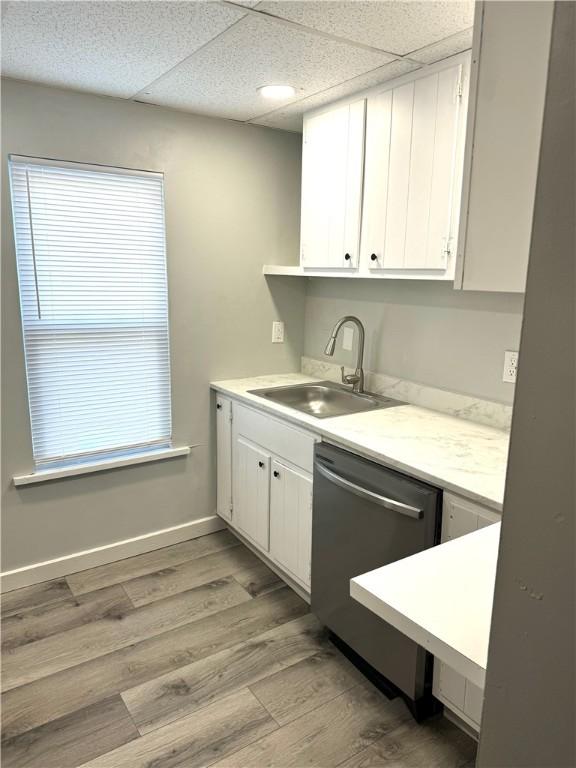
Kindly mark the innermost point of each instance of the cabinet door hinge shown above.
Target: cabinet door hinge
(460, 89)
(230, 415)
(447, 247)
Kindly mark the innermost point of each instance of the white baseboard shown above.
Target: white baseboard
(109, 553)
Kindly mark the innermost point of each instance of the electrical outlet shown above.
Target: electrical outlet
(348, 338)
(278, 332)
(510, 366)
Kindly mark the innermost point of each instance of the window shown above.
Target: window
(90, 247)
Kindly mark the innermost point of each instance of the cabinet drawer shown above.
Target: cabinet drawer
(291, 444)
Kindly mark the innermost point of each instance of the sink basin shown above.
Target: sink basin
(324, 399)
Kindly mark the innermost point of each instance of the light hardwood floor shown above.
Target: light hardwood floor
(193, 655)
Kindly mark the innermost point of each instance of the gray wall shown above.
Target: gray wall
(232, 204)
(425, 332)
(530, 709)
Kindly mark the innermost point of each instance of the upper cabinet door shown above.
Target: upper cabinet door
(332, 168)
(413, 160)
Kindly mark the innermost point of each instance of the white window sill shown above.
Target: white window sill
(98, 466)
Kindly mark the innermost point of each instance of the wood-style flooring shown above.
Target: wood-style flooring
(193, 655)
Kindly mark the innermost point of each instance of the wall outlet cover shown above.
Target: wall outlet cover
(510, 366)
(277, 332)
(348, 338)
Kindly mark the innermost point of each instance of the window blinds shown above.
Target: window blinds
(90, 247)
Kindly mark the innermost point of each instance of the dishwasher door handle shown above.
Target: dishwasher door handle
(383, 501)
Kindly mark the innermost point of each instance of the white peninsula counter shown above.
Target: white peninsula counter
(441, 598)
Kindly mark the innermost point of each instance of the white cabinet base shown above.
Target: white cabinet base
(272, 492)
(459, 695)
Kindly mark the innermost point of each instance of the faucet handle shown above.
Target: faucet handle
(351, 378)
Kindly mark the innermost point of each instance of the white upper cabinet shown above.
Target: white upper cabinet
(382, 176)
(413, 160)
(332, 167)
(508, 84)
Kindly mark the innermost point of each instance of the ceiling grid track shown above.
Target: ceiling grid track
(142, 91)
(312, 31)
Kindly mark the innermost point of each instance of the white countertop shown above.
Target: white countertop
(441, 598)
(456, 455)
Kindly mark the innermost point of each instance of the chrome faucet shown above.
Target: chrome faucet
(356, 378)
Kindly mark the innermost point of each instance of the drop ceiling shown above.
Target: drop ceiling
(210, 57)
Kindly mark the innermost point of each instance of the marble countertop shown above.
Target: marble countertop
(454, 454)
(449, 616)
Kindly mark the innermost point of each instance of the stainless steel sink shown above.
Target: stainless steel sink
(325, 399)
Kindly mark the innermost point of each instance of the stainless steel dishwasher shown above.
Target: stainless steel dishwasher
(365, 516)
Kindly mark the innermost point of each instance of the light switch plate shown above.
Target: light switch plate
(348, 339)
(510, 366)
(277, 332)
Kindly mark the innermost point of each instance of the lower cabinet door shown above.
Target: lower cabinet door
(473, 701)
(291, 520)
(252, 492)
(450, 684)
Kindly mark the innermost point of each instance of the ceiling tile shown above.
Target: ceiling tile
(457, 43)
(114, 48)
(391, 25)
(290, 118)
(221, 79)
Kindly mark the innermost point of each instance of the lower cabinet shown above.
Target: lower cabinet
(291, 520)
(264, 491)
(465, 699)
(268, 467)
